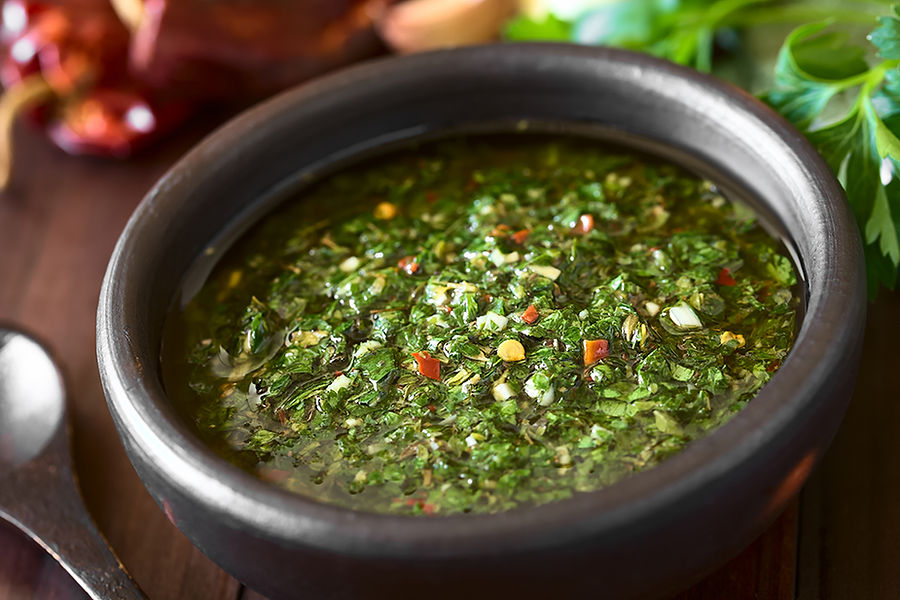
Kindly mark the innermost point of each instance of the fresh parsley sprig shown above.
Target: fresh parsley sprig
(843, 95)
(814, 66)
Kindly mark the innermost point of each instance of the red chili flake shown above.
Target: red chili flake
(282, 416)
(500, 230)
(773, 365)
(338, 373)
(447, 309)
(431, 407)
(530, 315)
(725, 277)
(585, 224)
(426, 507)
(431, 197)
(520, 236)
(595, 350)
(429, 367)
(410, 264)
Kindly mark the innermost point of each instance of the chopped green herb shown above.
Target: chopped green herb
(482, 324)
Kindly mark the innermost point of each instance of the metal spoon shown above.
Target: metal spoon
(38, 492)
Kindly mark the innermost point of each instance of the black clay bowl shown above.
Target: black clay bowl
(650, 534)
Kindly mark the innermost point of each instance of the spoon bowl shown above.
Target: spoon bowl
(32, 399)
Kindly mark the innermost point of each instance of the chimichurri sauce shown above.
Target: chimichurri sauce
(482, 324)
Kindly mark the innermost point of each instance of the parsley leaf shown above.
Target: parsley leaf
(804, 81)
(886, 37)
(861, 147)
(548, 28)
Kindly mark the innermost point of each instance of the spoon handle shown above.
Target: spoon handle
(48, 507)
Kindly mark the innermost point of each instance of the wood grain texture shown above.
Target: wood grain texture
(58, 225)
(766, 569)
(850, 510)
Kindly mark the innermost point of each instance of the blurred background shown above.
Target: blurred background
(110, 77)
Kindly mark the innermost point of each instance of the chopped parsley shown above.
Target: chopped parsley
(482, 324)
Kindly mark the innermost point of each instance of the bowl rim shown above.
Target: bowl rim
(250, 504)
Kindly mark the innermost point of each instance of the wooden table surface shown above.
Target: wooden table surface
(58, 224)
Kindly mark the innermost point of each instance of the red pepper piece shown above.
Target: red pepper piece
(429, 367)
(520, 236)
(595, 350)
(500, 230)
(530, 315)
(410, 264)
(585, 224)
(725, 278)
(426, 507)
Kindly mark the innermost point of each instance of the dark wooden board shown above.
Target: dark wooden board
(850, 508)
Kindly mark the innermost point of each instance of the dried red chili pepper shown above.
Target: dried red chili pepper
(69, 62)
(108, 76)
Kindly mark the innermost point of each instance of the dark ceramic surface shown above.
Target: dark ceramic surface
(653, 533)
